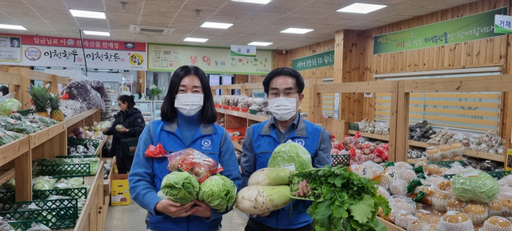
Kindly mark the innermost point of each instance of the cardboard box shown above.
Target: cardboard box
(120, 192)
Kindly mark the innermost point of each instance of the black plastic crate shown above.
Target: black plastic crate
(343, 160)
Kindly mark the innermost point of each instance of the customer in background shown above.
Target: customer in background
(284, 87)
(4, 90)
(129, 123)
(188, 121)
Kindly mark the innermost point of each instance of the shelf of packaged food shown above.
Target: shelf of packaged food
(100, 147)
(75, 119)
(44, 135)
(369, 135)
(257, 117)
(237, 146)
(6, 175)
(390, 226)
(13, 150)
(484, 155)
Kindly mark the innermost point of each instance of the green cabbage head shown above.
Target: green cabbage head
(180, 187)
(474, 185)
(292, 156)
(218, 192)
(8, 106)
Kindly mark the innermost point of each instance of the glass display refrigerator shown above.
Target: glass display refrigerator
(146, 107)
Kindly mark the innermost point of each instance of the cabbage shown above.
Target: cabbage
(474, 185)
(8, 106)
(43, 183)
(291, 156)
(218, 192)
(180, 187)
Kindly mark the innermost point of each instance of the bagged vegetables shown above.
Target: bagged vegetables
(218, 192)
(8, 106)
(475, 185)
(180, 187)
(194, 162)
(292, 156)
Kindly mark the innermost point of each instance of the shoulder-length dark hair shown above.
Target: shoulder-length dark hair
(169, 112)
(128, 99)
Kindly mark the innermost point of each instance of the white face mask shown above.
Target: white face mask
(283, 108)
(189, 104)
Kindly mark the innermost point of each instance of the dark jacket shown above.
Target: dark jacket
(131, 120)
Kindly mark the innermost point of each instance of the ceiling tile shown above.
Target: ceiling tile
(122, 18)
(86, 6)
(189, 13)
(178, 22)
(133, 8)
(235, 6)
(159, 6)
(58, 18)
(157, 21)
(283, 9)
(180, 2)
(209, 3)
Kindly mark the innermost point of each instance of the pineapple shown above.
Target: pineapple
(40, 97)
(56, 113)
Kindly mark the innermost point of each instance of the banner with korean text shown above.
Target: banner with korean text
(66, 52)
(323, 59)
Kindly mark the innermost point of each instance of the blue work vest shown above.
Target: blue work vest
(264, 140)
(208, 140)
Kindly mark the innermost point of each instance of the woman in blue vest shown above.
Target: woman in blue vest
(284, 88)
(188, 121)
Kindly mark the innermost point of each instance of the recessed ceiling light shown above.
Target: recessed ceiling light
(253, 1)
(12, 27)
(263, 44)
(217, 25)
(88, 14)
(297, 31)
(361, 8)
(197, 40)
(99, 33)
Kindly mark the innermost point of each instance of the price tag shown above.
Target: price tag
(234, 113)
(471, 174)
(290, 167)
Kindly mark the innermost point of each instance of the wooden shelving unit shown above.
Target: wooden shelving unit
(369, 135)
(390, 226)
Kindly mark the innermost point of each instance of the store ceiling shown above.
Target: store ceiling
(252, 22)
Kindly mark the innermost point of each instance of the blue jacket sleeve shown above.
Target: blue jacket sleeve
(141, 176)
(229, 162)
(248, 160)
(323, 155)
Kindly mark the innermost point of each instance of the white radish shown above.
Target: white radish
(270, 177)
(263, 199)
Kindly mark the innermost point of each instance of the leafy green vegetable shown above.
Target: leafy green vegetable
(180, 187)
(8, 106)
(474, 185)
(292, 156)
(43, 183)
(218, 192)
(9, 185)
(342, 199)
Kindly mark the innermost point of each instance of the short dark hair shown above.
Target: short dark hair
(4, 90)
(286, 71)
(128, 99)
(169, 112)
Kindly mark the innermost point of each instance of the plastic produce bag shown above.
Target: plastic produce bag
(8, 106)
(38, 227)
(4, 225)
(155, 151)
(81, 91)
(194, 162)
(291, 156)
(474, 185)
(98, 87)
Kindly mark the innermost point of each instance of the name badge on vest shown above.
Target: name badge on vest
(206, 144)
(300, 141)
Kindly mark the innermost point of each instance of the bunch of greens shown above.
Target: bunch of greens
(218, 192)
(180, 187)
(7, 137)
(341, 199)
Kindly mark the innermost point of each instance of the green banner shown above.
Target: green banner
(164, 57)
(473, 27)
(323, 59)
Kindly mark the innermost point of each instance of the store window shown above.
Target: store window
(474, 111)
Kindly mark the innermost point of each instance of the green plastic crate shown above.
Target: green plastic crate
(83, 141)
(79, 156)
(78, 193)
(7, 196)
(446, 164)
(66, 170)
(61, 214)
(25, 225)
(353, 126)
(343, 160)
(496, 175)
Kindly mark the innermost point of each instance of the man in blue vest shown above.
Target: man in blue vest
(284, 87)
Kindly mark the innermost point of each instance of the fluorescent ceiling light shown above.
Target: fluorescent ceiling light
(361, 8)
(296, 31)
(263, 44)
(197, 40)
(88, 14)
(253, 1)
(99, 33)
(217, 25)
(12, 27)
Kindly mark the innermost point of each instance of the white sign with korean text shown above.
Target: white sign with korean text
(247, 51)
(502, 24)
(34, 55)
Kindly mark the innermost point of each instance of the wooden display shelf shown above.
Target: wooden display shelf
(243, 115)
(237, 146)
(257, 118)
(102, 143)
(13, 150)
(419, 144)
(75, 119)
(390, 226)
(236, 113)
(369, 135)
(44, 135)
(484, 155)
(6, 175)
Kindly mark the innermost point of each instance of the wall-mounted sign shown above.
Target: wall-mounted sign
(314, 61)
(502, 24)
(473, 27)
(163, 57)
(246, 51)
(66, 52)
(10, 48)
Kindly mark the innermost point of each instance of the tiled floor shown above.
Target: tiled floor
(131, 218)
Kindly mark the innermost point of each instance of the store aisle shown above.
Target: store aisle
(131, 218)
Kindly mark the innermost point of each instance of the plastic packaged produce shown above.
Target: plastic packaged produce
(476, 212)
(194, 162)
(98, 87)
(474, 185)
(180, 187)
(4, 225)
(292, 156)
(43, 183)
(218, 192)
(497, 223)
(80, 90)
(8, 106)
(455, 221)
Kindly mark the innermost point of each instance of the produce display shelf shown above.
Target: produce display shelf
(484, 155)
(102, 143)
(13, 150)
(6, 175)
(44, 135)
(419, 144)
(390, 226)
(237, 146)
(257, 118)
(243, 115)
(75, 119)
(369, 135)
